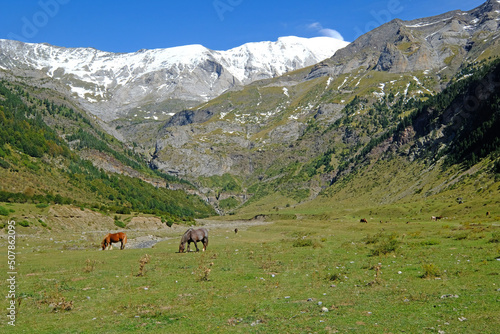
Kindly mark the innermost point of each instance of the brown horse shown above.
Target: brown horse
(363, 220)
(113, 238)
(193, 235)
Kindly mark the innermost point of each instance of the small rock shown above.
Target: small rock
(324, 309)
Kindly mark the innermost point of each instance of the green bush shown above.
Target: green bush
(120, 224)
(24, 223)
(495, 237)
(387, 244)
(4, 164)
(3, 211)
(430, 271)
(167, 220)
(430, 242)
(462, 236)
(302, 243)
(123, 211)
(372, 239)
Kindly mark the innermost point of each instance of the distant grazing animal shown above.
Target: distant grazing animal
(193, 235)
(433, 218)
(363, 220)
(111, 238)
(488, 213)
(235, 230)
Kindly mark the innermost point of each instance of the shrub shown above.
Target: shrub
(336, 277)
(462, 236)
(430, 242)
(385, 244)
(89, 266)
(430, 271)
(4, 164)
(123, 211)
(302, 243)
(120, 224)
(372, 239)
(3, 211)
(142, 264)
(495, 237)
(167, 220)
(203, 273)
(24, 223)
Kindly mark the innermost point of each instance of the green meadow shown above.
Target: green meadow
(298, 271)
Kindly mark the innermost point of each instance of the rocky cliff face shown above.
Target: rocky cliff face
(154, 83)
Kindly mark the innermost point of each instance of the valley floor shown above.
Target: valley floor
(302, 273)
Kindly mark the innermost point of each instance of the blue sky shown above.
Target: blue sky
(128, 26)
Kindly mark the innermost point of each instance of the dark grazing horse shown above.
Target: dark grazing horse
(193, 235)
(113, 238)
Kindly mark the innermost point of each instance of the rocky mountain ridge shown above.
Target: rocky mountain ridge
(438, 43)
(156, 83)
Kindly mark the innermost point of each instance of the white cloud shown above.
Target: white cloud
(325, 31)
(331, 33)
(315, 26)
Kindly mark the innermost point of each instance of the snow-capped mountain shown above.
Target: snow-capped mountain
(113, 85)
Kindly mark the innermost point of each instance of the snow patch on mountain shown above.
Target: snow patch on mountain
(112, 83)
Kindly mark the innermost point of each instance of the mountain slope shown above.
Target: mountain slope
(154, 83)
(277, 133)
(42, 164)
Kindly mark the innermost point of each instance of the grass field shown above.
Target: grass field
(301, 273)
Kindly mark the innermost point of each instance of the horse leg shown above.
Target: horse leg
(110, 246)
(189, 244)
(196, 245)
(205, 244)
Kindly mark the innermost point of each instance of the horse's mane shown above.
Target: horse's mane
(186, 235)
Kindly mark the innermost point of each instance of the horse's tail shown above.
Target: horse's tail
(124, 241)
(205, 239)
